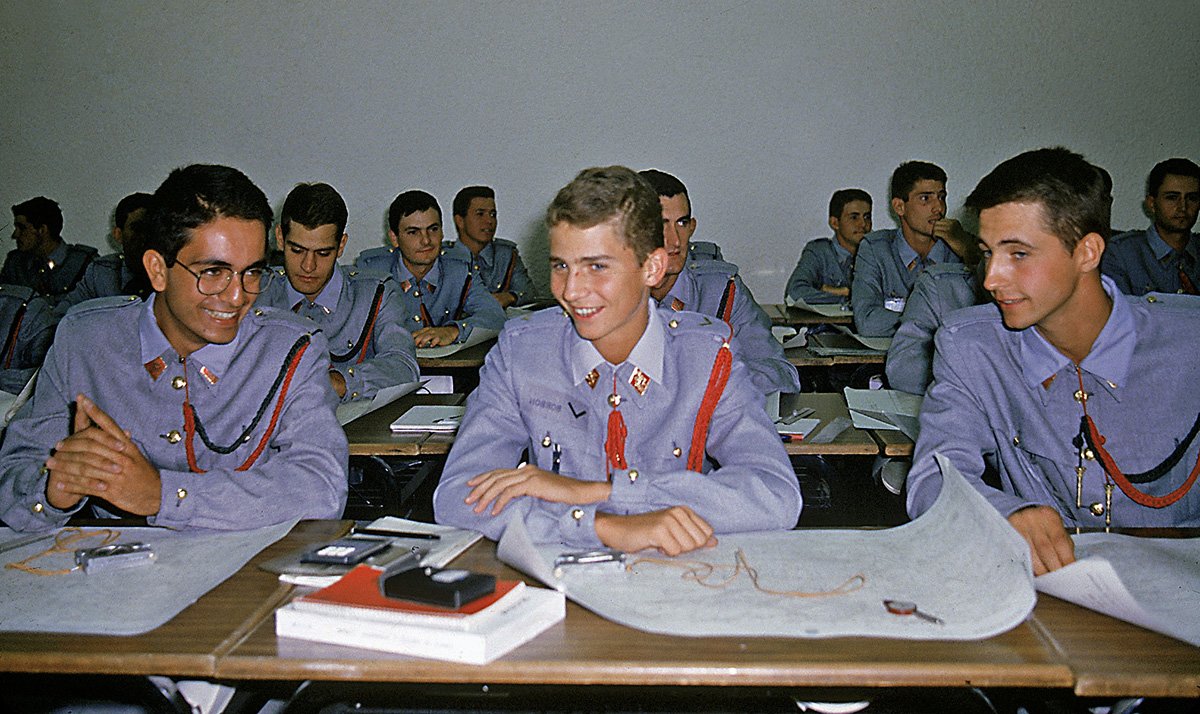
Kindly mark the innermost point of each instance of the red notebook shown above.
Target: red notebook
(360, 588)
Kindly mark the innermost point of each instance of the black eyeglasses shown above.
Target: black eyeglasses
(216, 279)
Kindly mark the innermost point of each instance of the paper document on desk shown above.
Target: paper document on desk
(350, 411)
(478, 334)
(429, 418)
(826, 309)
(961, 561)
(1151, 582)
(126, 601)
(888, 409)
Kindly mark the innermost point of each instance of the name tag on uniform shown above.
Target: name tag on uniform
(895, 304)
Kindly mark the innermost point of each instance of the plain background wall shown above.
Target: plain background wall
(761, 108)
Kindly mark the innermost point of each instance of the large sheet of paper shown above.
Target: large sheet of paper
(478, 334)
(126, 601)
(888, 409)
(960, 561)
(350, 411)
(1151, 582)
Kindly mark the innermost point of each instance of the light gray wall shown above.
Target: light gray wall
(762, 108)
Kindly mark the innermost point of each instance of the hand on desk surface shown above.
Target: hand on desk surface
(672, 531)
(1049, 544)
(99, 459)
(503, 485)
(435, 336)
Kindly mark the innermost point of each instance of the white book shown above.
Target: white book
(479, 643)
(429, 418)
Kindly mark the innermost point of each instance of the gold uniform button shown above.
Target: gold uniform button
(354, 395)
(1089, 454)
(37, 508)
(173, 436)
(577, 514)
(1080, 396)
(350, 371)
(258, 311)
(1151, 298)
(674, 323)
(546, 441)
(1016, 441)
(178, 382)
(181, 494)
(677, 452)
(1097, 509)
(614, 400)
(633, 474)
(417, 318)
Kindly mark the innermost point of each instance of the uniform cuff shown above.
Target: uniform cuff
(177, 505)
(577, 527)
(628, 486)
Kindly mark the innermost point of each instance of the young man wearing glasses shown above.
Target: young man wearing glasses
(193, 408)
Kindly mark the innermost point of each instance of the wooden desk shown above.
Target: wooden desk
(190, 644)
(851, 442)
(371, 434)
(469, 358)
(893, 443)
(804, 357)
(795, 317)
(587, 649)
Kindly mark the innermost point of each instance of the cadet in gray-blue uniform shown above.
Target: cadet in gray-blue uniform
(1008, 399)
(360, 316)
(885, 270)
(112, 274)
(624, 410)
(939, 291)
(27, 328)
(712, 287)
(193, 408)
(1166, 256)
(1083, 401)
(1141, 262)
(825, 271)
(493, 261)
(445, 296)
(822, 262)
(42, 260)
(358, 313)
(545, 389)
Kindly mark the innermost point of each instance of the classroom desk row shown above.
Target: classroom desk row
(229, 634)
(371, 435)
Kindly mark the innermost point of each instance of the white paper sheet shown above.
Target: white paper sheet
(478, 334)
(960, 561)
(126, 601)
(350, 411)
(828, 310)
(1151, 582)
(888, 409)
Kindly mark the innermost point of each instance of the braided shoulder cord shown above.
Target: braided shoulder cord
(10, 344)
(194, 425)
(365, 336)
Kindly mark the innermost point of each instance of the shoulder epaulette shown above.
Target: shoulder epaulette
(713, 267)
(16, 292)
(102, 304)
(275, 316)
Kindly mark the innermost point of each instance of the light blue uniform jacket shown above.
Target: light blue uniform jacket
(534, 396)
(885, 270)
(989, 403)
(940, 290)
(498, 265)
(113, 351)
(1141, 262)
(26, 329)
(822, 262)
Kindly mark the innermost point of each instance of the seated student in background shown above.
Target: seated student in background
(826, 267)
(940, 290)
(712, 287)
(27, 326)
(494, 261)
(442, 302)
(1082, 400)
(1165, 257)
(359, 313)
(889, 261)
(624, 409)
(42, 260)
(113, 274)
(192, 408)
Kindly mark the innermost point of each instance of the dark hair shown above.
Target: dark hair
(612, 193)
(1073, 195)
(40, 211)
(843, 196)
(665, 184)
(129, 204)
(909, 173)
(198, 194)
(462, 201)
(313, 205)
(408, 203)
(1170, 167)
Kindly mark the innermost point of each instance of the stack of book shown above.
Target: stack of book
(354, 612)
